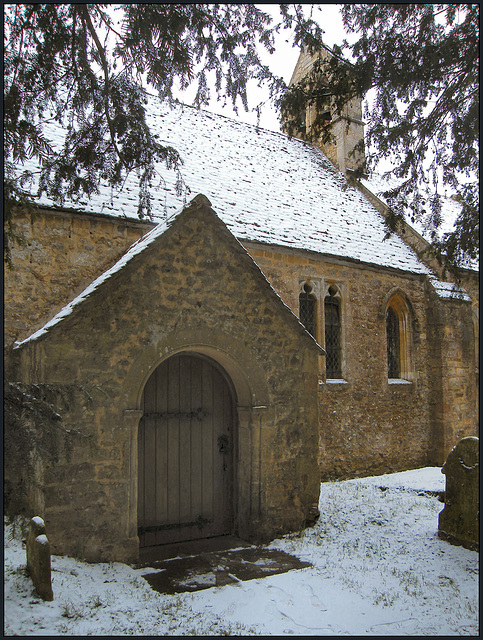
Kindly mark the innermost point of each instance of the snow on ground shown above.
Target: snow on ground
(379, 568)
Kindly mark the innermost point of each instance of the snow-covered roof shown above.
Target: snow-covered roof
(449, 290)
(264, 186)
(450, 210)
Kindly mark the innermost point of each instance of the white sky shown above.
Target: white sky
(281, 63)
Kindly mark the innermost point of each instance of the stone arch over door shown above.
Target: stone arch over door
(236, 358)
(186, 440)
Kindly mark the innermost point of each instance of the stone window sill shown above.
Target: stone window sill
(333, 382)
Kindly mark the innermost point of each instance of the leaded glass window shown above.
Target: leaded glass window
(393, 344)
(307, 309)
(332, 335)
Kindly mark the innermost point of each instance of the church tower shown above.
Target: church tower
(347, 129)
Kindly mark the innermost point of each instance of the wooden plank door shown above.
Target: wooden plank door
(185, 453)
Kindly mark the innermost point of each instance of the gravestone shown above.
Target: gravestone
(459, 520)
(38, 558)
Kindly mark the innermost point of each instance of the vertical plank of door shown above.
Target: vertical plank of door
(207, 441)
(228, 474)
(149, 486)
(220, 459)
(173, 441)
(196, 440)
(161, 473)
(185, 439)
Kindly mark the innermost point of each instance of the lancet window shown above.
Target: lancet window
(332, 318)
(308, 309)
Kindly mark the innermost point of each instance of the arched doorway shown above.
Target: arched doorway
(185, 449)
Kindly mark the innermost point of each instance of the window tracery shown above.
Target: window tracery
(308, 309)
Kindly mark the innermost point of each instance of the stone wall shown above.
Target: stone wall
(454, 413)
(368, 425)
(60, 254)
(184, 292)
(470, 281)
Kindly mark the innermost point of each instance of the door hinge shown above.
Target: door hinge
(200, 522)
(197, 414)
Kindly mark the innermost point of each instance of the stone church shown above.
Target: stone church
(211, 366)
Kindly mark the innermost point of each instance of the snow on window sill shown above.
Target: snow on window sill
(332, 381)
(398, 381)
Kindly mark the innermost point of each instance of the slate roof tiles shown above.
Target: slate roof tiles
(264, 186)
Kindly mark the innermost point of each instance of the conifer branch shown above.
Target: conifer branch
(100, 50)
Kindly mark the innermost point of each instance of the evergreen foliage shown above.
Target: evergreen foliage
(421, 64)
(36, 436)
(76, 65)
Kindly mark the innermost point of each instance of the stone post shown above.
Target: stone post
(38, 558)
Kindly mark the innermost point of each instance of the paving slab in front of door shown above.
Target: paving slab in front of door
(218, 568)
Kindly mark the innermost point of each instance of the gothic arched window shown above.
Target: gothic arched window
(308, 309)
(332, 334)
(397, 338)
